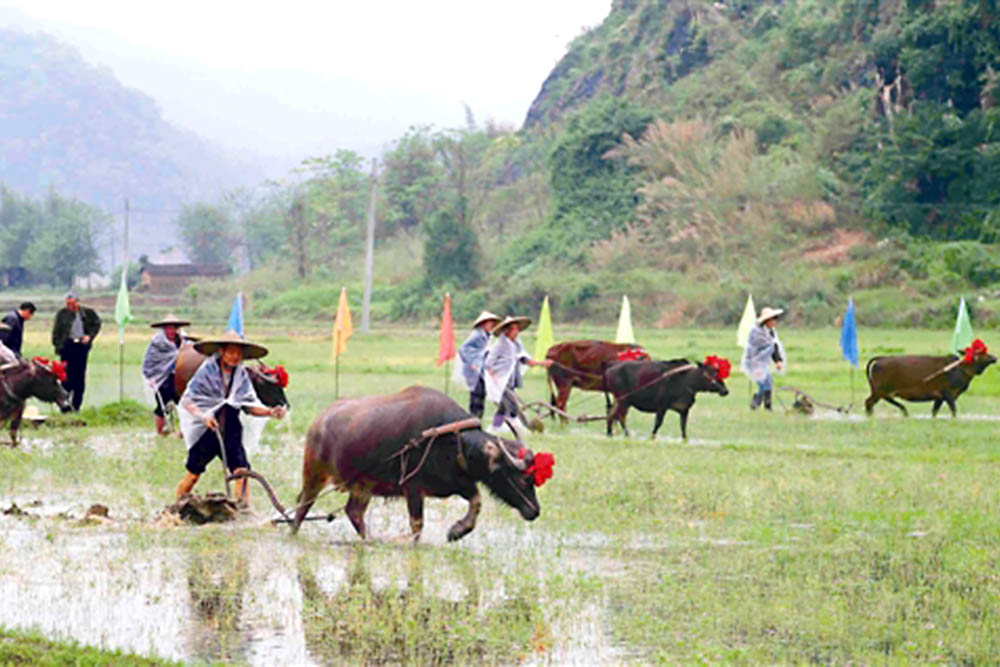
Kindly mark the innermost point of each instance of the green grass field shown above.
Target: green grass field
(769, 537)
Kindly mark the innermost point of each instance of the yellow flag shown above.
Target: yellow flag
(625, 334)
(544, 338)
(747, 322)
(342, 327)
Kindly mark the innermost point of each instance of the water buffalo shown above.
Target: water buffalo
(658, 386)
(376, 446)
(581, 364)
(269, 382)
(919, 378)
(38, 378)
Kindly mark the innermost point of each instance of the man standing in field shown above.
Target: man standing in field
(471, 355)
(73, 333)
(210, 410)
(762, 348)
(13, 337)
(503, 368)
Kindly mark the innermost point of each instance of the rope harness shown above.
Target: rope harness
(429, 436)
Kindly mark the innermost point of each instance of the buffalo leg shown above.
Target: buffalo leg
(951, 404)
(936, 407)
(355, 509)
(563, 398)
(464, 526)
(684, 425)
(870, 404)
(415, 505)
(312, 483)
(890, 399)
(15, 424)
(658, 421)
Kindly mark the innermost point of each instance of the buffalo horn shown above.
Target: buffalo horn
(15, 364)
(520, 464)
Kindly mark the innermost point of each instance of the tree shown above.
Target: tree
(208, 234)
(63, 247)
(451, 249)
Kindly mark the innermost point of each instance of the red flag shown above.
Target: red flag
(446, 337)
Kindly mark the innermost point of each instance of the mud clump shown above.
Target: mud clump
(213, 507)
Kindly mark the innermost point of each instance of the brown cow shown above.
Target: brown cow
(918, 378)
(581, 364)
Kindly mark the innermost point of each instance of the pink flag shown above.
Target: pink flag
(446, 337)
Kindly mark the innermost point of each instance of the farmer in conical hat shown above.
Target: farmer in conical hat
(158, 366)
(763, 347)
(472, 354)
(210, 406)
(503, 367)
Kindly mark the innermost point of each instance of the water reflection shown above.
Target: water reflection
(436, 607)
(217, 577)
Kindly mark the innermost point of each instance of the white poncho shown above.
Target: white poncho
(503, 367)
(206, 392)
(760, 351)
(471, 355)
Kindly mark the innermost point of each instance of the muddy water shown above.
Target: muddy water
(236, 592)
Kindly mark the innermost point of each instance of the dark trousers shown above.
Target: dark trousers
(477, 398)
(165, 393)
(75, 356)
(207, 447)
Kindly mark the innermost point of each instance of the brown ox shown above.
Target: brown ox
(918, 378)
(581, 364)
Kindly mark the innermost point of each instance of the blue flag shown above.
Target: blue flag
(849, 336)
(236, 315)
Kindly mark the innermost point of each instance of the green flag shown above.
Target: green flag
(746, 323)
(962, 338)
(544, 338)
(625, 334)
(123, 314)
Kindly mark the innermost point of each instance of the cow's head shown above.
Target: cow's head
(269, 383)
(978, 357)
(45, 382)
(510, 471)
(712, 374)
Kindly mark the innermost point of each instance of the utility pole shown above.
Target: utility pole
(121, 332)
(369, 256)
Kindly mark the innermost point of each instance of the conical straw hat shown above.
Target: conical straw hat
(210, 346)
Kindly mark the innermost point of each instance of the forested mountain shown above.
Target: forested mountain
(70, 126)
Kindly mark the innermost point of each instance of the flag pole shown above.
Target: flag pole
(447, 372)
(121, 328)
(336, 377)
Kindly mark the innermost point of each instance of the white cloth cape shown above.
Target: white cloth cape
(503, 367)
(158, 363)
(759, 351)
(207, 393)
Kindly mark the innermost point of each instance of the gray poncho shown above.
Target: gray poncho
(503, 367)
(158, 362)
(472, 354)
(206, 393)
(762, 347)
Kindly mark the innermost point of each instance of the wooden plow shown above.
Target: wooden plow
(806, 404)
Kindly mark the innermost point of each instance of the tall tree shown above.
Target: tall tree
(208, 234)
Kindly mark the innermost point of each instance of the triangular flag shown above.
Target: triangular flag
(544, 338)
(746, 323)
(446, 336)
(962, 338)
(625, 334)
(123, 313)
(235, 322)
(342, 327)
(849, 336)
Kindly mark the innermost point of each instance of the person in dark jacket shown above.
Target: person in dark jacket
(73, 333)
(15, 319)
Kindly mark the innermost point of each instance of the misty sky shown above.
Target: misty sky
(296, 78)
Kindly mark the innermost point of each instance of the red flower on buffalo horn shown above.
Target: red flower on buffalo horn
(977, 349)
(721, 366)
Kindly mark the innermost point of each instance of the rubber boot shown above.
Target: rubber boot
(755, 401)
(161, 424)
(184, 488)
(767, 399)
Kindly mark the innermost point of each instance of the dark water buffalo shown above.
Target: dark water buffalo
(269, 382)
(581, 364)
(38, 378)
(918, 378)
(360, 445)
(658, 386)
